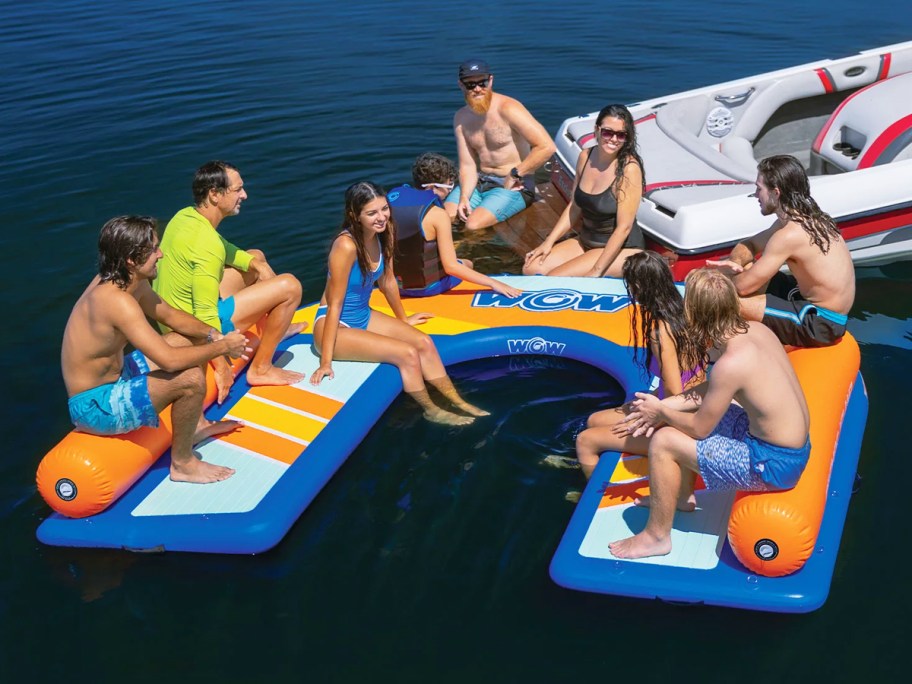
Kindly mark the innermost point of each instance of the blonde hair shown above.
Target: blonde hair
(712, 308)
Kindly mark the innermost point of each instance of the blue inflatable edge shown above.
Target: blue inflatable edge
(729, 583)
(262, 528)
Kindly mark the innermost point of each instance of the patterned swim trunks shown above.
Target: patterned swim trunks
(117, 407)
(732, 458)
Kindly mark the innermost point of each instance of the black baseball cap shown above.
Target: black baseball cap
(474, 67)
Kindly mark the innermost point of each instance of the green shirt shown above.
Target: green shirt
(192, 265)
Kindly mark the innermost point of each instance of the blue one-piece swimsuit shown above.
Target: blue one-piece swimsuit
(356, 306)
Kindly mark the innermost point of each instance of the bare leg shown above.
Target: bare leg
(445, 386)
(562, 252)
(687, 500)
(278, 297)
(204, 428)
(593, 441)
(670, 452)
(184, 392)
(480, 218)
(584, 263)
(368, 345)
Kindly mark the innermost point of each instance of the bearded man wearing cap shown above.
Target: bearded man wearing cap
(500, 145)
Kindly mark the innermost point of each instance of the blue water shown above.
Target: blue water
(413, 564)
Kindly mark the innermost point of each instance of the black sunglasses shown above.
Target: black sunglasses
(471, 85)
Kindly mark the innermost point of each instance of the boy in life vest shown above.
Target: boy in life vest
(426, 262)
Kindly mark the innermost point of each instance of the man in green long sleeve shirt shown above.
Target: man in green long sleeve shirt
(192, 276)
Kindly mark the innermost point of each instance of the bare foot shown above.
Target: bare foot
(687, 504)
(273, 376)
(294, 329)
(463, 405)
(211, 428)
(447, 418)
(641, 545)
(199, 472)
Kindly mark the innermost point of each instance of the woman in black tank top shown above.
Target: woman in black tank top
(604, 213)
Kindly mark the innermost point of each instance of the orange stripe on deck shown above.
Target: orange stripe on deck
(264, 443)
(299, 399)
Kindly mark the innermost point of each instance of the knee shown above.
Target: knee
(256, 253)
(532, 268)
(409, 358)
(665, 443)
(192, 380)
(475, 222)
(291, 287)
(425, 345)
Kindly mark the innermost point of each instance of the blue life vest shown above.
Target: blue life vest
(417, 262)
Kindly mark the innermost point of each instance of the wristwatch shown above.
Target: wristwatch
(515, 173)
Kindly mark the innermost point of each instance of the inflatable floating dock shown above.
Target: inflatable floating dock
(295, 438)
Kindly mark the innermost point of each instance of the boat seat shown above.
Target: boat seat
(765, 102)
(739, 150)
(684, 120)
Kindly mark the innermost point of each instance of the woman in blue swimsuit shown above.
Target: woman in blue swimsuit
(347, 329)
(606, 194)
(662, 347)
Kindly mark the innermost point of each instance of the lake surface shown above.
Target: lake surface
(425, 558)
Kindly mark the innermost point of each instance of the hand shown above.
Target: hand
(463, 209)
(511, 183)
(263, 269)
(726, 266)
(418, 318)
(224, 379)
(541, 253)
(645, 415)
(506, 290)
(237, 345)
(320, 373)
(620, 429)
(595, 272)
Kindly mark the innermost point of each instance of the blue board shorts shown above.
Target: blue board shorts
(225, 312)
(117, 407)
(732, 458)
(491, 196)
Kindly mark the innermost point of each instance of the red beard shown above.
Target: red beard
(479, 105)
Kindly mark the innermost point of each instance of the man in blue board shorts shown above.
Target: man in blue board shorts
(759, 444)
(810, 307)
(500, 145)
(110, 394)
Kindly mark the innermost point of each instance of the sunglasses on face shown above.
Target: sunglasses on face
(471, 85)
(442, 186)
(609, 133)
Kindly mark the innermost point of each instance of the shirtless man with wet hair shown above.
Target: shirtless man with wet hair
(500, 146)
(759, 444)
(110, 394)
(810, 307)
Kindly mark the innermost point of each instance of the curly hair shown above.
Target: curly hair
(712, 308)
(786, 174)
(357, 196)
(213, 175)
(650, 285)
(431, 167)
(629, 149)
(125, 241)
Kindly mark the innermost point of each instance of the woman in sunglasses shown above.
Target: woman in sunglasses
(606, 193)
(346, 328)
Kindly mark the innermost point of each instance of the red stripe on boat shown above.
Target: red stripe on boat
(827, 80)
(884, 71)
(883, 141)
(648, 117)
(818, 141)
(652, 187)
(878, 223)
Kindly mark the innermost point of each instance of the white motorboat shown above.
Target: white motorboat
(849, 122)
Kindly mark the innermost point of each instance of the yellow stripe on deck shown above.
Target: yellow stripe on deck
(300, 399)
(276, 418)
